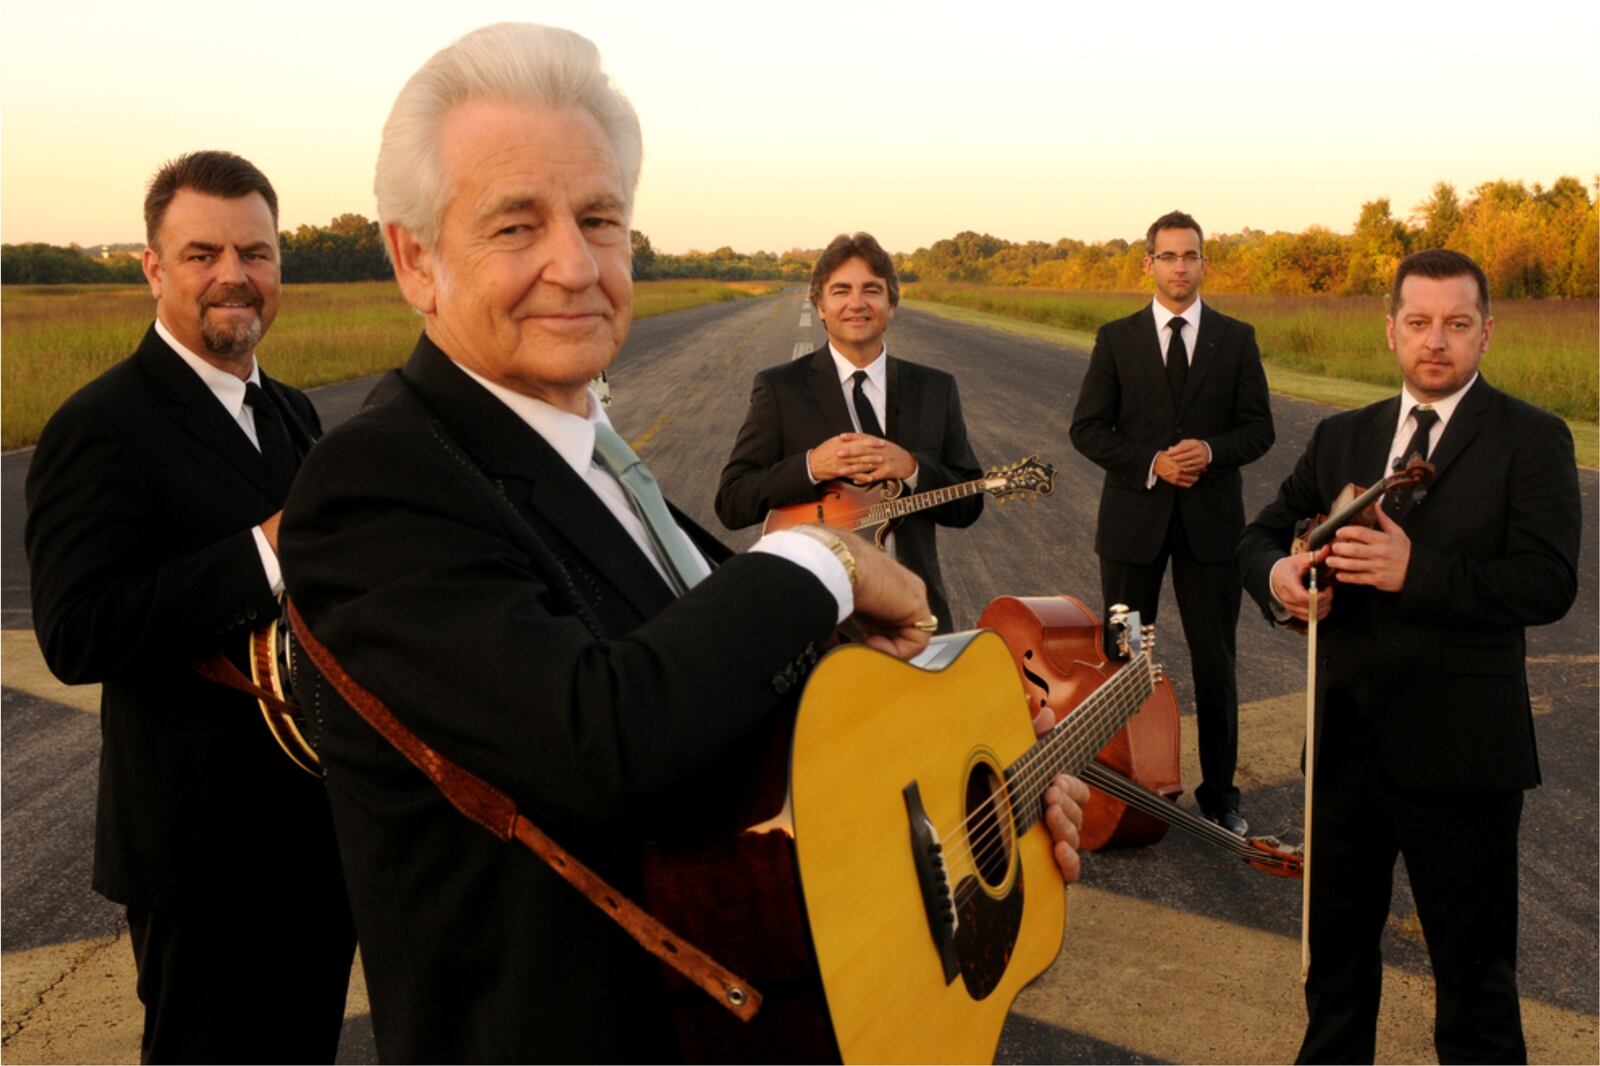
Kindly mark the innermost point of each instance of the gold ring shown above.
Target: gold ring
(928, 624)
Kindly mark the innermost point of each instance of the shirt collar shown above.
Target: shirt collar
(1191, 314)
(228, 389)
(1444, 408)
(571, 436)
(877, 370)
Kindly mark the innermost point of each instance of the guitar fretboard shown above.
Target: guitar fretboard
(1077, 738)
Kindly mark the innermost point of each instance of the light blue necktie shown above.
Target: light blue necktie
(685, 565)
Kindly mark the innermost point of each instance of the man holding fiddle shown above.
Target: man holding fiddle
(1425, 738)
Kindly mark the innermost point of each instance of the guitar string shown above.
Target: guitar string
(1113, 701)
(1116, 706)
(1120, 787)
(1112, 783)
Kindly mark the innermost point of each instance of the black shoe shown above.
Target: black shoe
(1232, 821)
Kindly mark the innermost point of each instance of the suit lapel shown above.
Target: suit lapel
(1213, 327)
(1372, 464)
(534, 476)
(300, 435)
(1148, 362)
(1464, 425)
(201, 415)
(891, 405)
(828, 395)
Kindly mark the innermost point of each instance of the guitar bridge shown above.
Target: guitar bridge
(933, 877)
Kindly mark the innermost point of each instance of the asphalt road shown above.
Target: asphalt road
(1173, 952)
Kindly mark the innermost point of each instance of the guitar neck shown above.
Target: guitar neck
(889, 510)
(1076, 739)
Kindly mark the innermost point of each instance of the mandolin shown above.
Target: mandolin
(876, 509)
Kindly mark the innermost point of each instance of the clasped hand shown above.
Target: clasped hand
(860, 457)
(1357, 556)
(1183, 463)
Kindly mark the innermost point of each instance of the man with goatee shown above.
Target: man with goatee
(153, 501)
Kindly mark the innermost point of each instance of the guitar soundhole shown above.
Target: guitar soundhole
(989, 831)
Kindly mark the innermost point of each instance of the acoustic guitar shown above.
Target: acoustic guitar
(895, 897)
(876, 509)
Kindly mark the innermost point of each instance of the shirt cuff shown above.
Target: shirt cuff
(911, 482)
(1150, 478)
(814, 556)
(809, 475)
(269, 561)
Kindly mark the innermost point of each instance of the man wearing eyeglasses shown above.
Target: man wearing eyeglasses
(1174, 403)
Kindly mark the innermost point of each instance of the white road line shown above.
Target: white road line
(805, 320)
(800, 348)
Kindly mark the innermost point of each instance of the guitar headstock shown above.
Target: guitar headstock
(1024, 478)
(1129, 633)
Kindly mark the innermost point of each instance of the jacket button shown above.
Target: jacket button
(780, 683)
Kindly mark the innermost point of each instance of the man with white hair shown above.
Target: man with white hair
(478, 551)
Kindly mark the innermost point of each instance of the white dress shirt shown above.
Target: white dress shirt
(572, 438)
(229, 391)
(1407, 425)
(1191, 344)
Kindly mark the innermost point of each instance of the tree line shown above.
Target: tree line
(350, 248)
(1530, 241)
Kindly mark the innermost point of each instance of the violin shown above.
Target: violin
(1359, 506)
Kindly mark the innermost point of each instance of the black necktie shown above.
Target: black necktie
(1395, 503)
(864, 411)
(277, 451)
(1177, 361)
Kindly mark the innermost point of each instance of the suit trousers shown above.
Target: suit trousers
(242, 981)
(1208, 604)
(1460, 850)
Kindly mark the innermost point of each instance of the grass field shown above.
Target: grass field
(54, 338)
(1543, 350)
(1282, 376)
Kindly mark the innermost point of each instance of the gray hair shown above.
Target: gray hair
(512, 61)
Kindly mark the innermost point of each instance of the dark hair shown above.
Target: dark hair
(1170, 220)
(1439, 263)
(845, 247)
(213, 173)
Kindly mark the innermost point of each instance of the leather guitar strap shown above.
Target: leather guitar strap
(497, 812)
(220, 668)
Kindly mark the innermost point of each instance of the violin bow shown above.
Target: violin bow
(1311, 771)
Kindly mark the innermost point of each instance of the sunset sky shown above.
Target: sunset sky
(771, 127)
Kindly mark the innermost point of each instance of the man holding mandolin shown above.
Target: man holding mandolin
(1424, 740)
(849, 411)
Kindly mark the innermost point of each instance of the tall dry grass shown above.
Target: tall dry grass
(1544, 351)
(55, 338)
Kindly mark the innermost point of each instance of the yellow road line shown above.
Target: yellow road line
(24, 670)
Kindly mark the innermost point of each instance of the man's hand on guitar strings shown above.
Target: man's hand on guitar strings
(1063, 816)
(890, 601)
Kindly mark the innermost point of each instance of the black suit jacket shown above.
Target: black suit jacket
(1125, 415)
(141, 496)
(1494, 548)
(797, 406)
(460, 570)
